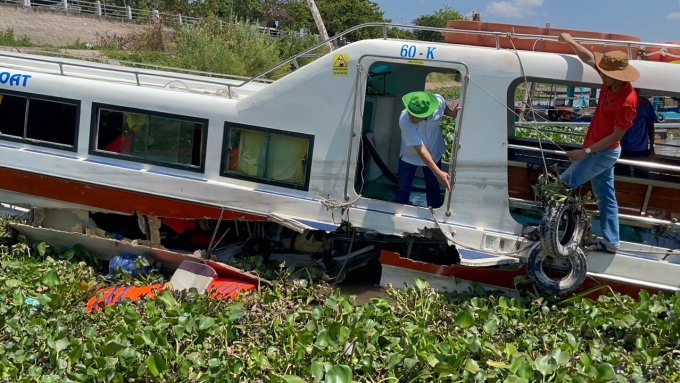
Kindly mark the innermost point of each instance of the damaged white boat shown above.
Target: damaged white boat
(304, 163)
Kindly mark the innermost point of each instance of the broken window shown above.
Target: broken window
(152, 138)
(39, 120)
(265, 155)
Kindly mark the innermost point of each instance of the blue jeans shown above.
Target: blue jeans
(598, 168)
(405, 175)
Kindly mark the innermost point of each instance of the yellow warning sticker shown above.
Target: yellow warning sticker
(416, 62)
(340, 64)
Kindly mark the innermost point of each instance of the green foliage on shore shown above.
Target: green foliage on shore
(237, 48)
(297, 331)
(8, 39)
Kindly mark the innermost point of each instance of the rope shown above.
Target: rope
(212, 240)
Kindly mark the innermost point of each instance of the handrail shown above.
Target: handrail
(497, 35)
(136, 73)
(642, 164)
(106, 60)
(623, 218)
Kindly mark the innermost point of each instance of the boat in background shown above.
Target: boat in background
(301, 169)
(669, 53)
(531, 38)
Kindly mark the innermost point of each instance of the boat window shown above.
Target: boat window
(555, 112)
(266, 155)
(559, 114)
(155, 138)
(39, 120)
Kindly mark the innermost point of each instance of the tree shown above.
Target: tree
(340, 15)
(437, 19)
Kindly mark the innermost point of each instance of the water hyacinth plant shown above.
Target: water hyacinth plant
(300, 331)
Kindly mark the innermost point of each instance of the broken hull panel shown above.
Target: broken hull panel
(106, 248)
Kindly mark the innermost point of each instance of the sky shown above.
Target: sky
(650, 20)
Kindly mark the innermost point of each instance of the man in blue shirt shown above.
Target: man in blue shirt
(638, 142)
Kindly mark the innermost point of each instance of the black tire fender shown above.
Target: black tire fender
(562, 228)
(568, 283)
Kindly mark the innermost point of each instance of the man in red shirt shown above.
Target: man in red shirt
(615, 112)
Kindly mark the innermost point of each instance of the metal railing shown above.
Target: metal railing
(497, 36)
(98, 8)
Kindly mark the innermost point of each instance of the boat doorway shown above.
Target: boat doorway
(387, 83)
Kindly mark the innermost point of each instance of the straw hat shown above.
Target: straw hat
(615, 65)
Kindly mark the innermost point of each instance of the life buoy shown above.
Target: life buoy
(544, 279)
(562, 228)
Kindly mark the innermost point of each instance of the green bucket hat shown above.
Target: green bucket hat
(420, 104)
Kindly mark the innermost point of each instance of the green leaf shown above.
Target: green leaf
(444, 368)
(571, 339)
(12, 283)
(61, 344)
(149, 337)
(317, 370)
(503, 302)
(206, 323)
(111, 348)
(465, 319)
(522, 368)
(293, 379)
(561, 357)
(166, 297)
(409, 363)
(156, 364)
(472, 366)
(497, 364)
(50, 278)
(77, 352)
(544, 365)
(490, 326)
(339, 374)
(323, 339)
(42, 248)
(510, 350)
(605, 372)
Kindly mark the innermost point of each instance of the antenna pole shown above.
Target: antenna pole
(319, 24)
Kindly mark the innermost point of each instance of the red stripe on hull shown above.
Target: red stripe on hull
(112, 199)
(501, 278)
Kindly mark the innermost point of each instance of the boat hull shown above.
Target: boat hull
(21, 187)
(398, 272)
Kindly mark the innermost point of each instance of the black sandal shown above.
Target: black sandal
(599, 246)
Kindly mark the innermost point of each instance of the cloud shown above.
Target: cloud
(673, 16)
(514, 9)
